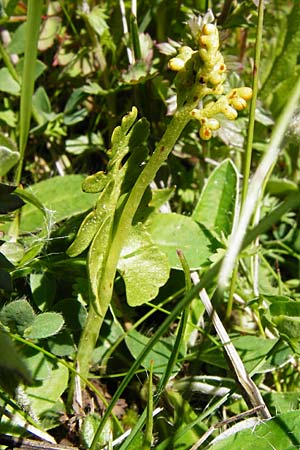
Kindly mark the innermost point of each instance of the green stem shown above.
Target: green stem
(248, 154)
(88, 341)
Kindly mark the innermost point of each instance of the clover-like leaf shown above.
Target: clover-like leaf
(17, 315)
(45, 325)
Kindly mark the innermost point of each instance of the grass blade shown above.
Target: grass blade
(31, 38)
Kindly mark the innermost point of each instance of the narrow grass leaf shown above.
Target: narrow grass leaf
(34, 13)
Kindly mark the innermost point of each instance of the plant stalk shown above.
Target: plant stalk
(248, 153)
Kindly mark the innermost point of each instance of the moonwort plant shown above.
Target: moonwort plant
(113, 225)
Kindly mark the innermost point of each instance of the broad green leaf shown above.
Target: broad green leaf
(50, 27)
(281, 433)
(45, 325)
(77, 97)
(281, 186)
(39, 68)
(75, 117)
(43, 288)
(41, 105)
(284, 314)
(13, 369)
(160, 352)
(17, 315)
(286, 307)
(88, 430)
(143, 267)
(74, 313)
(17, 43)
(138, 73)
(39, 366)
(13, 251)
(285, 64)
(282, 402)
(61, 196)
(216, 206)
(7, 83)
(80, 144)
(8, 142)
(46, 393)
(9, 117)
(259, 355)
(8, 159)
(289, 327)
(172, 232)
(62, 344)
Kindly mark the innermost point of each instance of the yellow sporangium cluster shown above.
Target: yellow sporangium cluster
(228, 105)
(178, 62)
(213, 72)
(208, 64)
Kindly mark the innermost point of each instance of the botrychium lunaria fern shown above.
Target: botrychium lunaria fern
(203, 70)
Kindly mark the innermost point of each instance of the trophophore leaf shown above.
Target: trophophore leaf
(96, 229)
(143, 267)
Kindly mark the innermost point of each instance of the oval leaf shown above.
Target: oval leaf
(280, 433)
(8, 159)
(62, 196)
(172, 232)
(217, 203)
(160, 353)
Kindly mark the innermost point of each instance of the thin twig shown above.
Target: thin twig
(244, 380)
